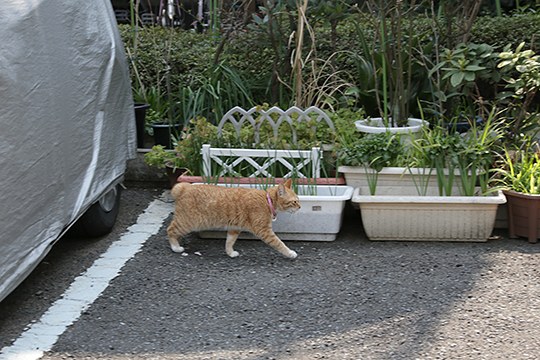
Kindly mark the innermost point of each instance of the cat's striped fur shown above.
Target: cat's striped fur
(206, 207)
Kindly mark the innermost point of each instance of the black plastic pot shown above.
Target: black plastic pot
(140, 116)
(463, 126)
(163, 134)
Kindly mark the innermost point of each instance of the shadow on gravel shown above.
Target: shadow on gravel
(347, 299)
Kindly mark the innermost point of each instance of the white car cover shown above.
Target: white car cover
(67, 122)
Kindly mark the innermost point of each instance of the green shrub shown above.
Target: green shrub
(250, 54)
(191, 54)
(504, 30)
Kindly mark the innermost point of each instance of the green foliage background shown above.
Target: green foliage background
(249, 52)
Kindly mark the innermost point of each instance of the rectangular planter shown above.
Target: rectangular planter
(319, 218)
(392, 179)
(428, 218)
(340, 180)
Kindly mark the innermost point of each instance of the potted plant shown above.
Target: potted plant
(380, 163)
(162, 120)
(461, 78)
(390, 64)
(459, 161)
(367, 160)
(185, 157)
(519, 177)
(170, 160)
(237, 153)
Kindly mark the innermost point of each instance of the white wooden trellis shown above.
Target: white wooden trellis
(300, 163)
(274, 116)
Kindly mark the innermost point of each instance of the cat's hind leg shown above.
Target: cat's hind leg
(174, 232)
(232, 235)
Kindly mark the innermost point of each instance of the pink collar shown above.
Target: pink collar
(272, 210)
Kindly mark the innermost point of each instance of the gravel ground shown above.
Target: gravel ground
(347, 299)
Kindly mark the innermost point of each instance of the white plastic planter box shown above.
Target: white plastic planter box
(397, 180)
(319, 218)
(428, 218)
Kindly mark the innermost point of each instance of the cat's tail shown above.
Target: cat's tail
(178, 189)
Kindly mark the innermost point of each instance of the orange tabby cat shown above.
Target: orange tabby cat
(206, 207)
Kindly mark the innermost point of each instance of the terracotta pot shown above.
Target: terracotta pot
(523, 215)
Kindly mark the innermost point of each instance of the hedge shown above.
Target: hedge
(251, 54)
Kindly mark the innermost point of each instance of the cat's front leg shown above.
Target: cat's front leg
(270, 238)
(232, 235)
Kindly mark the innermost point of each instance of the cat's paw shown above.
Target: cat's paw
(234, 254)
(292, 254)
(177, 249)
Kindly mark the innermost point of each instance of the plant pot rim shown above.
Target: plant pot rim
(253, 180)
(141, 105)
(332, 192)
(520, 194)
(394, 170)
(414, 125)
(164, 124)
(495, 198)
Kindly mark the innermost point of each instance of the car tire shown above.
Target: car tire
(100, 218)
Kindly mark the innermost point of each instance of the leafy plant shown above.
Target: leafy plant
(373, 152)
(461, 76)
(437, 149)
(219, 89)
(522, 74)
(274, 22)
(386, 67)
(475, 155)
(187, 148)
(160, 110)
(502, 30)
(471, 154)
(519, 169)
(160, 157)
(334, 12)
(188, 104)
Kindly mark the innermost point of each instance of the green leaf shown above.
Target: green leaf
(436, 68)
(504, 63)
(474, 68)
(456, 79)
(469, 76)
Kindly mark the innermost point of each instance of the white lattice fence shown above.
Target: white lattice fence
(224, 162)
(219, 162)
(275, 117)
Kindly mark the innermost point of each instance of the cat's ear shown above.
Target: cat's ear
(281, 190)
(288, 183)
(282, 186)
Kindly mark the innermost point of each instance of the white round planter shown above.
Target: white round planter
(376, 126)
